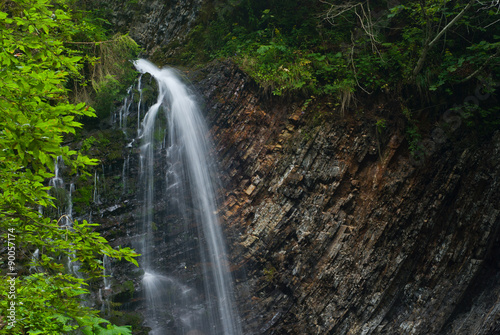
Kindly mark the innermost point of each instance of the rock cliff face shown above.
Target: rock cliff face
(329, 235)
(332, 228)
(151, 23)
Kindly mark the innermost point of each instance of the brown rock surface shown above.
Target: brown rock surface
(329, 236)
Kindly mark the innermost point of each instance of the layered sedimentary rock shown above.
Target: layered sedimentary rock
(331, 226)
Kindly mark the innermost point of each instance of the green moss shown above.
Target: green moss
(88, 143)
(270, 273)
(124, 291)
(83, 194)
(129, 287)
(105, 145)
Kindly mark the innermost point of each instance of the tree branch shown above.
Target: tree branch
(428, 46)
(452, 22)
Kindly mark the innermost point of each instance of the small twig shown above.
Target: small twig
(337, 10)
(65, 226)
(491, 24)
(472, 75)
(455, 19)
(89, 43)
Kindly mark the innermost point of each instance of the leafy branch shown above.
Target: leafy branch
(430, 42)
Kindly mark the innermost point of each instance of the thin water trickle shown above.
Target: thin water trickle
(69, 217)
(105, 291)
(63, 198)
(139, 88)
(95, 197)
(125, 172)
(57, 181)
(189, 192)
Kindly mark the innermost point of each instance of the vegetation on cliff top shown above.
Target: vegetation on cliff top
(321, 46)
(419, 53)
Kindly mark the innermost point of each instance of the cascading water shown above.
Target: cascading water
(124, 111)
(200, 306)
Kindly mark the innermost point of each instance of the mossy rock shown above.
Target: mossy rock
(106, 145)
(124, 291)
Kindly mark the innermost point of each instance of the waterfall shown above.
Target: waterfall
(174, 128)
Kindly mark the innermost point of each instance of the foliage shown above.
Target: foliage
(83, 195)
(88, 142)
(265, 37)
(104, 145)
(36, 66)
(92, 326)
(348, 47)
(414, 139)
(107, 72)
(381, 124)
(420, 51)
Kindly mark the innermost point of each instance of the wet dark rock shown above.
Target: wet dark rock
(153, 24)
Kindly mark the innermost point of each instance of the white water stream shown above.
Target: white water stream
(171, 303)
